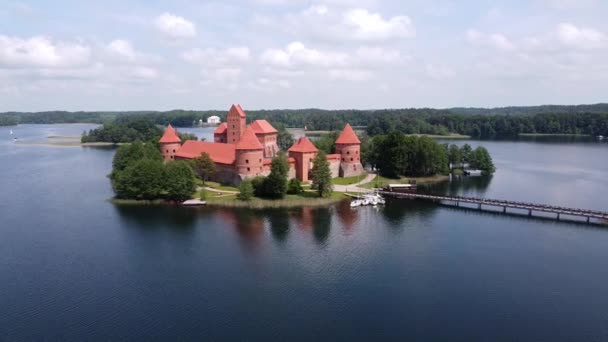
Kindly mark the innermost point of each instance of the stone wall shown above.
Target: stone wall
(334, 167)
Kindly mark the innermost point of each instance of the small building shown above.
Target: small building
(244, 151)
(214, 120)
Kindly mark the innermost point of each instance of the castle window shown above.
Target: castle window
(247, 161)
(167, 151)
(232, 126)
(248, 169)
(343, 159)
(260, 160)
(171, 157)
(357, 152)
(173, 151)
(351, 159)
(347, 152)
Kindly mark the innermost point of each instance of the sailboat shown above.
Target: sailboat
(12, 132)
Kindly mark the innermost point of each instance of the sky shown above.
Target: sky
(279, 54)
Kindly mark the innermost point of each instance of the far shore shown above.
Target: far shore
(66, 143)
(553, 135)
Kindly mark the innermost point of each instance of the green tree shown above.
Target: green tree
(127, 154)
(284, 139)
(275, 185)
(142, 180)
(187, 136)
(327, 142)
(180, 183)
(465, 152)
(321, 175)
(481, 160)
(204, 167)
(454, 154)
(294, 187)
(245, 190)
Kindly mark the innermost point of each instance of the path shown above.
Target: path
(355, 187)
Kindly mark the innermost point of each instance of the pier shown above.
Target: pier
(528, 208)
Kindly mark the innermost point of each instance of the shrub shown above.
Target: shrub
(294, 187)
(246, 190)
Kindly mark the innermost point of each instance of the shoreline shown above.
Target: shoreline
(67, 143)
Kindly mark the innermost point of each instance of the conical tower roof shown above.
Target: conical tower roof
(249, 141)
(348, 136)
(303, 145)
(170, 136)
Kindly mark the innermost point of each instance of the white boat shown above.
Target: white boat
(355, 203)
(12, 132)
(600, 137)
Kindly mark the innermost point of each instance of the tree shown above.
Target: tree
(327, 142)
(294, 187)
(142, 180)
(284, 139)
(481, 160)
(454, 154)
(179, 181)
(187, 136)
(275, 185)
(127, 154)
(245, 190)
(321, 175)
(204, 167)
(465, 152)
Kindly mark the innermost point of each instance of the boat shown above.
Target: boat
(355, 203)
(600, 137)
(12, 132)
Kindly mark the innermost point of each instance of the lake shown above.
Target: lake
(76, 267)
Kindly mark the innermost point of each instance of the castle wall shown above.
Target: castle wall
(249, 162)
(168, 150)
(269, 142)
(350, 159)
(219, 138)
(334, 167)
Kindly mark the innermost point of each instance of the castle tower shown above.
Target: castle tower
(303, 151)
(169, 143)
(249, 155)
(349, 148)
(236, 123)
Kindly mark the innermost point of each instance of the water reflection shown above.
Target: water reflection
(397, 210)
(322, 224)
(472, 186)
(162, 216)
(347, 215)
(279, 223)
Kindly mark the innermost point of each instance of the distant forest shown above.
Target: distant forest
(476, 122)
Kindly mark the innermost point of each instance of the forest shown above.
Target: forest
(477, 122)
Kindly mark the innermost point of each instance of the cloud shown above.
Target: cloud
(121, 49)
(356, 75)
(210, 56)
(378, 56)
(369, 26)
(296, 54)
(173, 26)
(439, 72)
(581, 37)
(145, 73)
(494, 40)
(42, 52)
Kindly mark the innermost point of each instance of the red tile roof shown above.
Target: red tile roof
(238, 110)
(303, 145)
(219, 153)
(249, 141)
(348, 136)
(221, 129)
(170, 136)
(262, 127)
(333, 156)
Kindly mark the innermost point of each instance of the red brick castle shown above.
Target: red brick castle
(240, 151)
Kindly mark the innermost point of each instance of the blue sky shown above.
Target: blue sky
(194, 54)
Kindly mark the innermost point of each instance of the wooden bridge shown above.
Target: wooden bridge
(598, 216)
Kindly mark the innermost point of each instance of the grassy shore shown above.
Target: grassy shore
(348, 180)
(66, 137)
(307, 199)
(380, 181)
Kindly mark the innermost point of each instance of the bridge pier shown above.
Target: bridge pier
(588, 219)
(479, 206)
(504, 210)
(529, 212)
(558, 216)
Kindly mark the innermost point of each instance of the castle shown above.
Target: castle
(243, 151)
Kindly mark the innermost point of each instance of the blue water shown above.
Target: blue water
(76, 267)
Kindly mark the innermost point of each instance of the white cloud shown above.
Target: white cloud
(372, 27)
(121, 49)
(174, 26)
(142, 72)
(582, 37)
(42, 52)
(296, 54)
(438, 71)
(355, 75)
(494, 40)
(210, 56)
(378, 56)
